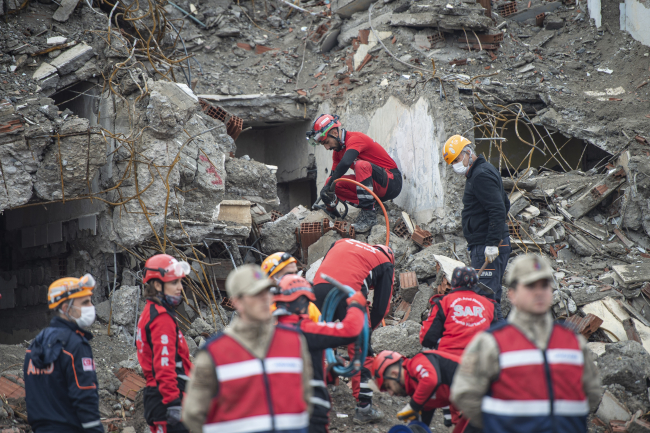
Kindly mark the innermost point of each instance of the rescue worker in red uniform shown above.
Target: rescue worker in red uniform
(457, 316)
(162, 350)
(292, 300)
(363, 267)
(254, 376)
(528, 374)
(426, 377)
(372, 166)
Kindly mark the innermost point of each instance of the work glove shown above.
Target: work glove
(327, 195)
(491, 253)
(407, 413)
(358, 298)
(173, 415)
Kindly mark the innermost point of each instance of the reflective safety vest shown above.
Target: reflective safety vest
(537, 390)
(258, 395)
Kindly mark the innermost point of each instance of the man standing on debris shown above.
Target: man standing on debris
(485, 209)
(529, 373)
(363, 267)
(292, 299)
(59, 369)
(253, 376)
(276, 266)
(372, 166)
(162, 350)
(426, 377)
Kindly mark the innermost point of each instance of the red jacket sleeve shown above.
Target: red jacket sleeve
(433, 328)
(321, 335)
(425, 374)
(163, 341)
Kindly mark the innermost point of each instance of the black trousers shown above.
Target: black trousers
(493, 273)
(155, 412)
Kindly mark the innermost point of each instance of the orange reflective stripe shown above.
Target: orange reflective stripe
(74, 370)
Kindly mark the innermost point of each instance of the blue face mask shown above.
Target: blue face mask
(172, 301)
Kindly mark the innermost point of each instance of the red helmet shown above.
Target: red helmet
(164, 268)
(388, 251)
(321, 127)
(291, 287)
(385, 359)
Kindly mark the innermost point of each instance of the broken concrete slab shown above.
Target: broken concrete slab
(424, 263)
(597, 193)
(72, 59)
(350, 29)
(612, 314)
(235, 211)
(532, 12)
(421, 302)
(423, 20)
(65, 10)
(402, 338)
(345, 8)
(280, 235)
(625, 363)
(612, 409)
(318, 249)
(43, 71)
(631, 274)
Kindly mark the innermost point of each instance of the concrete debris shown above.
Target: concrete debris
(318, 249)
(280, 235)
(424, 263)
(403, 338)
(612, 409)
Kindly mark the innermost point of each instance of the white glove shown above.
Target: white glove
(491, 253)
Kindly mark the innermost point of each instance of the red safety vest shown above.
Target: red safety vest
(258, 395)
(537, 390)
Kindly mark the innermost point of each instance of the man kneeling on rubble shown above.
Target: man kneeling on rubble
(254, 376)
(528, 374)
(372, 166)
(426, 378)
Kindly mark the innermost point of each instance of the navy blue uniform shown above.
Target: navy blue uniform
(60, 381)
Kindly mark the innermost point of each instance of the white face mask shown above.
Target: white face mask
(459, 167)
(87, 316)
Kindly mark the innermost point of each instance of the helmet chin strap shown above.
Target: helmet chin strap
(340, 139)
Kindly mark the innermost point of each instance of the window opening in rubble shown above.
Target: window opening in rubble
(562, 153)
(283, 145)
(36, 248)
(81, 99)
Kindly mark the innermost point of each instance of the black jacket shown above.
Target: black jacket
(485, 205)
(60, 380)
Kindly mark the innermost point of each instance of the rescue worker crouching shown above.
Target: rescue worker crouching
(162, 350)
(253, 376)
(528, 374)
(426, 378)
(292, 299)
(372, 166)
(276, 266)
(363, 267)
(59, 369)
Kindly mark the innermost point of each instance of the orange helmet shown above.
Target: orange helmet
(453, 147)
(165, 268)
(388, 251)
(292, 287)
(276, 262)
(385, 359)
(69, 288)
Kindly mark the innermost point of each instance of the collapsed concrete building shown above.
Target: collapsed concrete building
(121, 137)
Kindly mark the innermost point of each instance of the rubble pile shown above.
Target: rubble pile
(119, 134)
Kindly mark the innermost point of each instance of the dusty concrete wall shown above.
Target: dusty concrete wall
(594, 11)
(635, 19)
(284, 146)
(413, 131)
